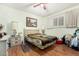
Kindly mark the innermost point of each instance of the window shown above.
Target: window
(58, 21)
(71, 19)
(61, 21)
(55, 22)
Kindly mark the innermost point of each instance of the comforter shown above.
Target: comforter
(44, 39)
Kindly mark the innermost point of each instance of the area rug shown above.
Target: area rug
(25, 47)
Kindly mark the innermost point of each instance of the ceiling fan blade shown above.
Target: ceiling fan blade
(37, 5)
(43, 5)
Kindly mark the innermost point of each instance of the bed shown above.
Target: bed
(42, 41)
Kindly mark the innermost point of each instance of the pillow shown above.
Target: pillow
(68, 37)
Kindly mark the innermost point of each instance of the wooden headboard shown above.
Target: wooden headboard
(30, 31)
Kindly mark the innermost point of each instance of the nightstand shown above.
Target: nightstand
(15, 41)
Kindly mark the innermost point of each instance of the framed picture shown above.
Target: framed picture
(31, 22)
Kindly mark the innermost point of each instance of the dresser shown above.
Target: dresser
(3, 47)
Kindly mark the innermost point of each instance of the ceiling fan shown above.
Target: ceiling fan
(41, 4)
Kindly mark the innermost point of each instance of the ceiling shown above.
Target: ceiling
(51, 7)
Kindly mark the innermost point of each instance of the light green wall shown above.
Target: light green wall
(7, 15)
(59, 32)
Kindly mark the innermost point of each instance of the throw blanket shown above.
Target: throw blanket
(74, 42)
(44, 38)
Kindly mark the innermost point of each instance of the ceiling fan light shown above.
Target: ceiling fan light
(44, 6)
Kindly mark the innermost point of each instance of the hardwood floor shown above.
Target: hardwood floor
(55, 50)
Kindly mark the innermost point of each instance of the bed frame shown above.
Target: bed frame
(32, 31)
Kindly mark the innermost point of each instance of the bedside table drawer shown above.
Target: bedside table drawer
(14, 43)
